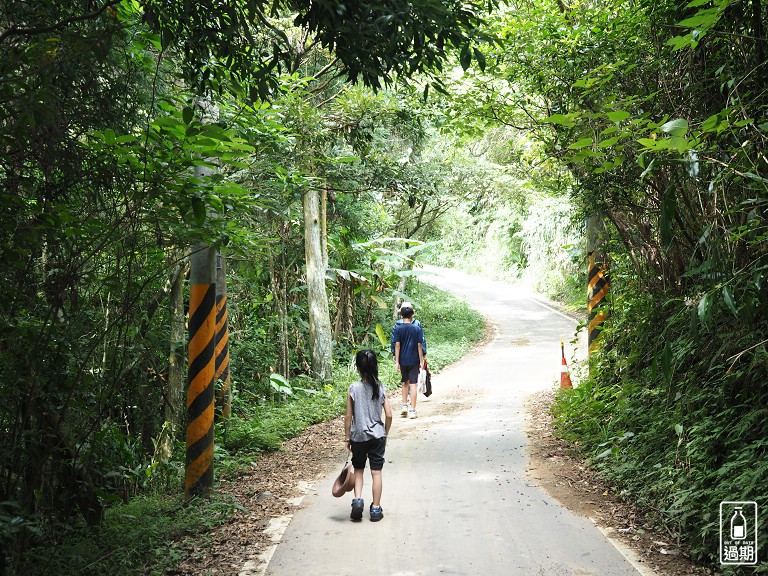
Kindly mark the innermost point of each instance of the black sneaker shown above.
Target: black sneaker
(377, 513)
(357, 509)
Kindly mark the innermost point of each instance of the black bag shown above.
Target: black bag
(428, 383)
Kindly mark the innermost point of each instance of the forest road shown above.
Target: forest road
(456, 497)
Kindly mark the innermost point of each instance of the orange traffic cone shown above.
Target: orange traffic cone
(565, 375)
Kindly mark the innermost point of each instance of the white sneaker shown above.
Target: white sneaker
(411, 413)
(404, 411)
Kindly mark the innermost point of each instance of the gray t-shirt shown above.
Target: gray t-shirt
(366, 413)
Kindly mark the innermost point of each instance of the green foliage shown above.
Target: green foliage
(372, 41)
(401, 38)
(674, 419)
(147, 535)
(476, 244)
(657, 111)
(263, 428)
(481, 209)
(555, 250)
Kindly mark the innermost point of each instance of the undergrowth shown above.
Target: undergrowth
(674, 414)
(145, 536)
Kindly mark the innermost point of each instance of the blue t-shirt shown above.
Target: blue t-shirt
(423, 337)
(409, 335)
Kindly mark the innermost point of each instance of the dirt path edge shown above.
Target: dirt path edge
(556, 466)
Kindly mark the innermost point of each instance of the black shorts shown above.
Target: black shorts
(409, 374)
(372, 450)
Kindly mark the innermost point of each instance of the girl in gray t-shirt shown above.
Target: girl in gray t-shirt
(366, 431)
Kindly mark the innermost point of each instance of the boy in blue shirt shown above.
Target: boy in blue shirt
(407, 338)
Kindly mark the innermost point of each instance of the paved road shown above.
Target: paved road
(456, 498)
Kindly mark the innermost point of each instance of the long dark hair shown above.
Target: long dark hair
(368, 366)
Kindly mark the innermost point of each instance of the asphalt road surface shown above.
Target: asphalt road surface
(456, 497)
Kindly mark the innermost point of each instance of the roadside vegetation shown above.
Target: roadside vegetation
(507, 139)
(637, 131)
(658, 112)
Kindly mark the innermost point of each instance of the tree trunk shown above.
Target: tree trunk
(757, 23)
(339, 310)
(324, 227)
(176, 369)
(320, 338)
(174, 392)
(402, 284)
(278, 281)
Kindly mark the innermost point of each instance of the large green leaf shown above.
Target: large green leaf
(666, 362)
(617, 116)
(728, 297)
(566, 120)
(668, 209)
(582, 143)
(465, 58)
(678, 127)
(704, 309)
(381, 335)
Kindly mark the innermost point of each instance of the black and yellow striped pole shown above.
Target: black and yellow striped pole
(597, 307)
(200, 392)
(222, 377)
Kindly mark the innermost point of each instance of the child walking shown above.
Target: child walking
(366, 433)
(408, 341)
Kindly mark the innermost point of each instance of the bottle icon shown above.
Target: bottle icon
(738, 525)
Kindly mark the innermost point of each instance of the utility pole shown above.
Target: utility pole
(222, 377)
(198, 477)
(598, 285)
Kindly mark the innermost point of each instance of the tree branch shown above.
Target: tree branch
(334, 96)
(15, 31)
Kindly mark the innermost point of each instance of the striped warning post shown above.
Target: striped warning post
(200, 392)
(223, 395)
(597, 291)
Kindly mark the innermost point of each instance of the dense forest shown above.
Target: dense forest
(306, 157)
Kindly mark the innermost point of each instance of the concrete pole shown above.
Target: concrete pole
(198, 479)
(598, 285)
(222, 377)
(200, 391)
